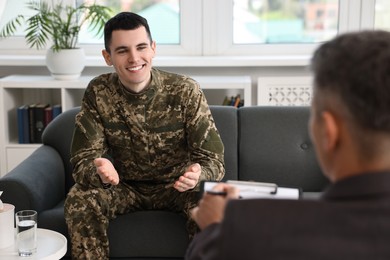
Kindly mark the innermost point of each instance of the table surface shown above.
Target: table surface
(51, 245)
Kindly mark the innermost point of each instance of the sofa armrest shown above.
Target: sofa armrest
(37, 183)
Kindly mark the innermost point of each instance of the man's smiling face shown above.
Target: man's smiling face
(131, 54)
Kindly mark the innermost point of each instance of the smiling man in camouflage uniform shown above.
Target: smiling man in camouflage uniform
(144, 139)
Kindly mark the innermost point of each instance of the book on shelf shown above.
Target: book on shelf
(32, 120)
(234, 101)
(48, 112)
(57, 109)
(39, 122)
(23, 124)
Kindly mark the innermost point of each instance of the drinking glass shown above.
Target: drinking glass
(26, 232)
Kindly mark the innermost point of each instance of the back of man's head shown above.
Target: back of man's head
(355, 69)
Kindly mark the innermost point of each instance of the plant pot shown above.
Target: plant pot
(65, 64)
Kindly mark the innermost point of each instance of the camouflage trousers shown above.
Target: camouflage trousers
(88, 212)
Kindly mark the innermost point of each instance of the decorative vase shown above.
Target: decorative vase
(66, 64)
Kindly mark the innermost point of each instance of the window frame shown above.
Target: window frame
(223, 38)
(205, 34)
(190, 43)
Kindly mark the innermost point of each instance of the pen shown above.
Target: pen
(219, 193)
(214, 192)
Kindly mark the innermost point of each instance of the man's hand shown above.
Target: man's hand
(106, 171)
(211, 208)
(189, 179)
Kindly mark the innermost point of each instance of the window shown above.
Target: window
(169, 21)
(175, 25)
(8, 9)
(163, 17)
(273, 27)
(294, 21)
(231, 27)
(382, 14)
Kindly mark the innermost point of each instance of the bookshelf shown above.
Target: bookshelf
(18, 90)
(217, 87)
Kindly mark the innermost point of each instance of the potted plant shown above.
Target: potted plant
(59, 24)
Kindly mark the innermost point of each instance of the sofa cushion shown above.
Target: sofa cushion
(274, 146)
(164, 235)
(148, 234)
(225, 118)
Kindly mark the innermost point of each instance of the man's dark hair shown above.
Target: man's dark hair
(124, 21)
(355, 67)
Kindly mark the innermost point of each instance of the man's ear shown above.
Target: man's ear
(107, 57)
(331, 132)
(153, 46)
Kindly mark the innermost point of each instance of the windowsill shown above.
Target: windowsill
(177, 61)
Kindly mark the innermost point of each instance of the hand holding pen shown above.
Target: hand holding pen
(211, 208)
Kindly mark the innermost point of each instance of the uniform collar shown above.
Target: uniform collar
(142, 97)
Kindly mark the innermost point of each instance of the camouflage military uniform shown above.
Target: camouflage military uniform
(151, 138)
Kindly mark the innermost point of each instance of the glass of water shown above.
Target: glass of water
(26, 232)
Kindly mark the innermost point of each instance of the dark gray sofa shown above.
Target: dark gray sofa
(268, 144)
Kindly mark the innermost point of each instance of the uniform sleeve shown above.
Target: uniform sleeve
(88, 143)
(203, 138)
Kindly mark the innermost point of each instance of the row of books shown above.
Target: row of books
(32, 120)
(235, 101)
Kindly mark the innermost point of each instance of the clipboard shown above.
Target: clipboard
(253, 190)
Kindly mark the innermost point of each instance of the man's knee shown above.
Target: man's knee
(82, 201)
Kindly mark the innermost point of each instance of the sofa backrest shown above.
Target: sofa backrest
(274, 146)
(58, 134)
(225, 118)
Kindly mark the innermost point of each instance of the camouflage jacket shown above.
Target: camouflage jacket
(150, 136)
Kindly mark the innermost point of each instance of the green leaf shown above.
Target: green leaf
(59, 24)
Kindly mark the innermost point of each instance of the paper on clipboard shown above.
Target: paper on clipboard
(251, 190)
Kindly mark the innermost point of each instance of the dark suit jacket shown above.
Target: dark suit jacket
(351, 221)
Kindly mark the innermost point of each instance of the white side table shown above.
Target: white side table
(51, 245)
